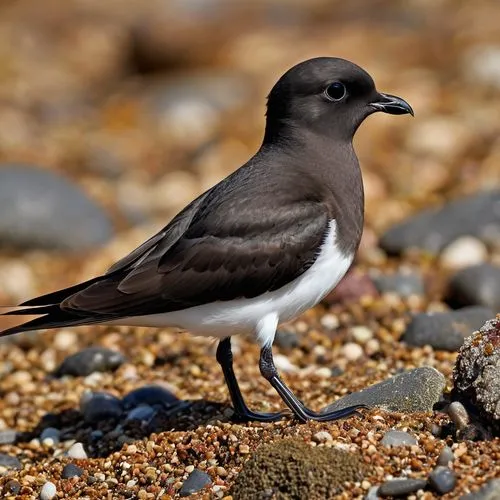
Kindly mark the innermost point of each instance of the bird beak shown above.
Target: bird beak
(392, 104)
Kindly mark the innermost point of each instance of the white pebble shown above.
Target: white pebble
(48, 491)
(322, 436)
(464, 252)
(372, 346)
(77, 451)
(330, 321)
(352, 351)
(284, 364)
(65, 339)
(361, 334)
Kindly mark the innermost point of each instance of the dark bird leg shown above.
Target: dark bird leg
(303, 413)
(225, 358)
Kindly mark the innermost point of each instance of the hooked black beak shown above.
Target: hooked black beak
(392, 104)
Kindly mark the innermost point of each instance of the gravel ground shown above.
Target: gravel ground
(139, 119)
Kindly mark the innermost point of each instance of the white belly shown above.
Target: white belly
(224, 318)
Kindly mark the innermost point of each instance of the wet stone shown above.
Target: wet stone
(442, 480)
(149, 395)
(196, 481)
(431, 230)
(475, 285)
(142, 413)
(71, 470)
(447, 330)
(401, 487)
(90, 360)
(12, 487)
(102, 406)
(397, 438)
(411, 391)
(40, 209)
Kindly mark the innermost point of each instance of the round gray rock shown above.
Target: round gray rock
(447, 330)
(475, 285)
(196, 481)
(40, 209)
(401, 487)
(89, 360)
(415, 390)
(442, 480)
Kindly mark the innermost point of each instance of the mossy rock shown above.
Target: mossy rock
(291, 469)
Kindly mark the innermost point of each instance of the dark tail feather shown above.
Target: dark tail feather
(53, 318)
(58, 296)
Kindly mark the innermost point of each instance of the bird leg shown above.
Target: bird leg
(269, 372)
(224, 357)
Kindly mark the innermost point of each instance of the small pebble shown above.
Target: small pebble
(77, 451)
(397, 438)
(446, 457)
(361, 334)
(458, 415)
(101, 406)
(464, 252)
(283, 364)
(322, 437)
(196, 481)
(48, 491)
(10, 462)
(90, 360)
(71, 470)
(330, 321)
(150, 395)
(442, 480)
(12, 487)
(286, 339)
(8, 436)
(352, 351)
(142, 413)
(50, 433)
(401, 487)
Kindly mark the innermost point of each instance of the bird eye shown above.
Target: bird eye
(335, 91)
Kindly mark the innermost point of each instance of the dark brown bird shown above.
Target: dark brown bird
(259, 248)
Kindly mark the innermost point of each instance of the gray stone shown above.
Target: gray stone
(90, 360)
(286, 339)
(10, 462)
(446, 457)
(8, 436)
(433, 229)
(415, 390)
(398, 438)
(402, 283)
(490, 491)
(71, 470)
(446, 330)
(476, 285)
(48, 491)
(401, 487)
(41, 209)
(142, 413)
(442, 479)
(50, 433)
(195, 482)
(102, 406)
(150, 395)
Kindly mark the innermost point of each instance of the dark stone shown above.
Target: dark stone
(150, 395)
(475, 285)
(401, 283)
(41, 209)
(10, 462)
(196, 481)
(12, 487)
(71, 470)
(141, 413)
(411, 391)
(433, 229)
(89, 360)
(286, 339)
(401, 487)
(442, 480)
(447, 330)
(102, 406)
(8, 436)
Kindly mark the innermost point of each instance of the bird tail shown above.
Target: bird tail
(48, 308)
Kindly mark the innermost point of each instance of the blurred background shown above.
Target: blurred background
(113, 115)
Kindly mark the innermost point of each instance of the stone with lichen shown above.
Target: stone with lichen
(291, 469)
(477, 372)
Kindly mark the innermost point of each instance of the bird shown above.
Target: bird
(259, 248)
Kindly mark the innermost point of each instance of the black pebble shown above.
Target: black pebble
(89, 360)
(71, 470)
(401, 487)
(442, 480)
(195, 482)
(150, 395)
(102, 406)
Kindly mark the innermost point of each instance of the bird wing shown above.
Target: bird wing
(232, 250)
